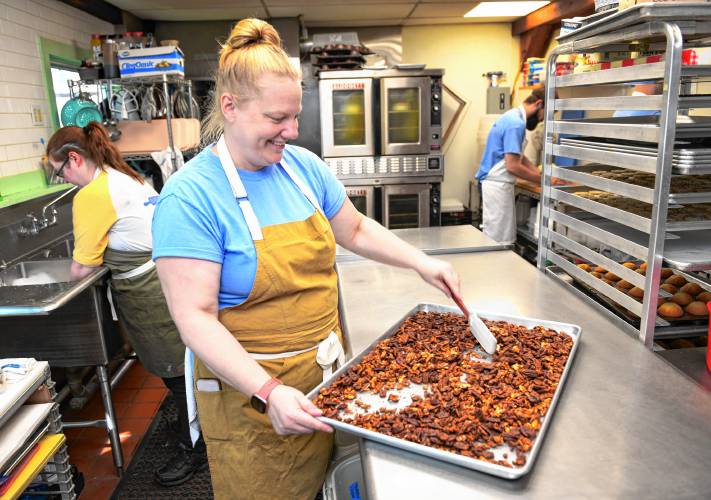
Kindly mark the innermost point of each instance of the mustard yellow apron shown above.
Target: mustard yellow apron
(292, 307)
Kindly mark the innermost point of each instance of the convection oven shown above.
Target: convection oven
(410, 205)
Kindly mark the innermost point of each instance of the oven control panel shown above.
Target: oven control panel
(436, 114)
(435, 205)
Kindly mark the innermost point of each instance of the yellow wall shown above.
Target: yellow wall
(465, 51)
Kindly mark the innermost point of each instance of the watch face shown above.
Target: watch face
(258, 404)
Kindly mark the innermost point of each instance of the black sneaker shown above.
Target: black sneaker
(181, 466)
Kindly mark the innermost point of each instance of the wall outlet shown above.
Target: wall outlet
(37, 115)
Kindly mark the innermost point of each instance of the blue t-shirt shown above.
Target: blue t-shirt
(198, 217)
(505, 136)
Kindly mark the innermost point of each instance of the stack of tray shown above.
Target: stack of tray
(688, 158)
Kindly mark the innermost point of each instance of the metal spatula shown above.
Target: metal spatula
(478, 327)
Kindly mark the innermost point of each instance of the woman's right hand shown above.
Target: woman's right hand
(291, 412)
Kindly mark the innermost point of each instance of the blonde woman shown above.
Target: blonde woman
(245, 241)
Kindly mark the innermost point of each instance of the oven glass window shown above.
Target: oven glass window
(348, 117)
(360, 202)
(404, 115)
(403, 211)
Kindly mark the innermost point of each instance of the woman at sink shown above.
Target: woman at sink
(112, 215)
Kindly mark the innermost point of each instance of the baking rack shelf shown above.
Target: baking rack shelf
(668, 142)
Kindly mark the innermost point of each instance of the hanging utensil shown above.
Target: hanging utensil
(149, 109)
(477, 326)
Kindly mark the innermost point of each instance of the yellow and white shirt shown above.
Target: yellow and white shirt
(113, 211)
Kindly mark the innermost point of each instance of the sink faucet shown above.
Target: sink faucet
(31, 224)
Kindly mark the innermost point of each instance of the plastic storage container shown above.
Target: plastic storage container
(345, 445)
(344, 480)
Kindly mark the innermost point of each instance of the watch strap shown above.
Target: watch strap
(264, 392)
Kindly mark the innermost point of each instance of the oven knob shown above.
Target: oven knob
(435, 108)
(435, 200)
(435, 96)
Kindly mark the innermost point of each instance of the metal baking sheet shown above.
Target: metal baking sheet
(687, 251)
(701, 156)
(634, 128)
(569, 195)
(584, 175)
(513, 472)
(633, 319)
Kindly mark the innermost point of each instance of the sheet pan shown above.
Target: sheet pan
(513, 472)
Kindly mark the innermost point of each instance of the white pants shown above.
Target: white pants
(498, 211)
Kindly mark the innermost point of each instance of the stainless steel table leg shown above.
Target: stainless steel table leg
(111, 424)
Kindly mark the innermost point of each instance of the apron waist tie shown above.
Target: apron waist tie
(136, 271)
(330, 351)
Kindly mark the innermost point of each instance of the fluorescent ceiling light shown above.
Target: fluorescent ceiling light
(505, 9)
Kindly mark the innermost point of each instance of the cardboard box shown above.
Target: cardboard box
(153, 61)
(139, 137)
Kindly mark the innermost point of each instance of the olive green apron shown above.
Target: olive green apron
(142, 310)
(292, 306)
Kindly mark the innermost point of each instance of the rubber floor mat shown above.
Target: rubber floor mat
(156, 447)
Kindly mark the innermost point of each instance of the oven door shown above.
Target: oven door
(406, 206)
(347, 117)
(363, 198)
(405, 104)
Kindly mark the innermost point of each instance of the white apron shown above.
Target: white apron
(498, 201)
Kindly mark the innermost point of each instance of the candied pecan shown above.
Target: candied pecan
(469, 405)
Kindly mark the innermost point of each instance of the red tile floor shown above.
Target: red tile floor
(137, 398)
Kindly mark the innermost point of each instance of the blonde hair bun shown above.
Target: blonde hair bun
(253, 49)
(252, 32)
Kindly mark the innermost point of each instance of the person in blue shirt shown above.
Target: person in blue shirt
(641, 89)
(244, 239)
(503, 161)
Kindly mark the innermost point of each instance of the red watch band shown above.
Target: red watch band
(264, 392)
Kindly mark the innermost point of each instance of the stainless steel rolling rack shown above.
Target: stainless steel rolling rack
(683, 245)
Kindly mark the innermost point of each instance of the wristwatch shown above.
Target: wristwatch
(259, 398)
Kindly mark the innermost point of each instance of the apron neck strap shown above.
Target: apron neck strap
(306, 190)
(238, 190)
(240, 193)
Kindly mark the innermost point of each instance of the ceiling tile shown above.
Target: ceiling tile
(348, 12)
(354, 24)
(201, 14)
(441, 10)
(456, 20)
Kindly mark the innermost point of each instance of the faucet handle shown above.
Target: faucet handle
(30, 225)
(51, 220)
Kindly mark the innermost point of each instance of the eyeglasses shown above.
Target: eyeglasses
(59, 171)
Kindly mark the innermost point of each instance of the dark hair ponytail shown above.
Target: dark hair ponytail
(92, 142)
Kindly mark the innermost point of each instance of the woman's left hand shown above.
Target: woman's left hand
(439, 274)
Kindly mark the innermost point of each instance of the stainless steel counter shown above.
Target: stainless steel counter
(628, 424)
(438, 240)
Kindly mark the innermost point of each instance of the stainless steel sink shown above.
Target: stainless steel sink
(41, 282)
(37, 272)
